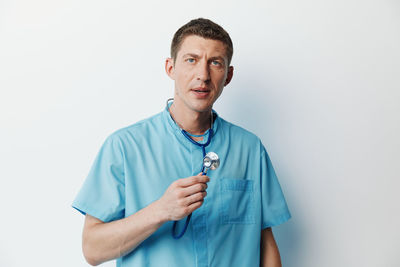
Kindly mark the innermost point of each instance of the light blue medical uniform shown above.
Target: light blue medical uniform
(137, 164)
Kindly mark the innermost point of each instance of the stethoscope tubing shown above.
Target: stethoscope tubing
(203, 172)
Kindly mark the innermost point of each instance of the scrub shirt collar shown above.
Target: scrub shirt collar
(177, 131)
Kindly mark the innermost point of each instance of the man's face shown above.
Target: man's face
(200, 72)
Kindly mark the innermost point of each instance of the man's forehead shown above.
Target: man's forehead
(196, 44)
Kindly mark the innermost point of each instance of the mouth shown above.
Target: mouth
(201, 92)
(201, 89)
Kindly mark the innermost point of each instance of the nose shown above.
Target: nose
(203, 72)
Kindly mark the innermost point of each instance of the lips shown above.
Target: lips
(201, 92)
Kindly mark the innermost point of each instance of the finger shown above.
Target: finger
(195, 198)
(185, 182)
(195, 206)
(193, 189)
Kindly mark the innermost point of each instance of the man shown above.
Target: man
(146, 176)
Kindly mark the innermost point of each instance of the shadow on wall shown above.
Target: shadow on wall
(254, 105)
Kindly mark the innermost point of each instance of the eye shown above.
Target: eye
(190, 60)
(216, 63)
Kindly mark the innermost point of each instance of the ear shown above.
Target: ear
(169, 68)
(229, 76)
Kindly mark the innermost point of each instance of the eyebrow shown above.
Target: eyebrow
(197, 56)
(191, 55)
(219, 57)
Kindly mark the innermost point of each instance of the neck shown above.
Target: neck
(191, 121)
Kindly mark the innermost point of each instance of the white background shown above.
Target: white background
(318, 81)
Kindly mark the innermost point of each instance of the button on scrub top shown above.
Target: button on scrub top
(135, 166)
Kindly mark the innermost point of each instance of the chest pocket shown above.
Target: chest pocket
(236, 201)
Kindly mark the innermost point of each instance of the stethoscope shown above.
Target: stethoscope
(210, 162)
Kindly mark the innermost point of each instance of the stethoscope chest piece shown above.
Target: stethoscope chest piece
(211, 161)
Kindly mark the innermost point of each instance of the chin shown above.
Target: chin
(201, 108)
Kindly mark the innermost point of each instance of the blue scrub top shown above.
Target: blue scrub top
(136, 165)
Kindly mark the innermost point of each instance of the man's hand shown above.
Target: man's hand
(105, 241)
(182, 197)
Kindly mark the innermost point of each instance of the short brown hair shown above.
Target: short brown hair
(204, 28)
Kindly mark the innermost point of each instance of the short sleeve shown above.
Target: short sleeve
(103, 192)
(274, 208)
